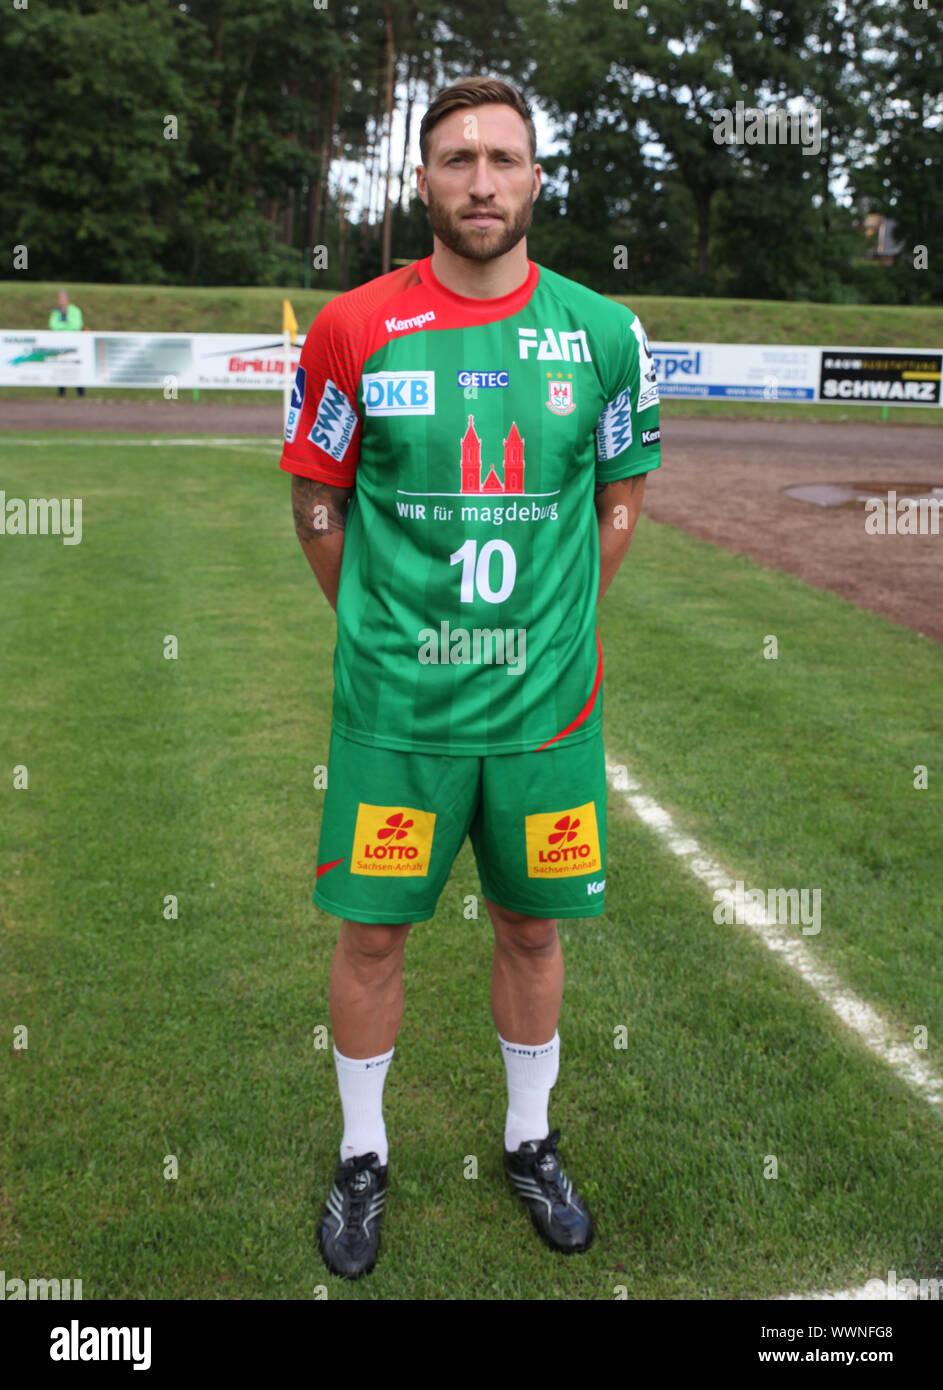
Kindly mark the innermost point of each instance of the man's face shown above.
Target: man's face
(63, 299)
(479, 184)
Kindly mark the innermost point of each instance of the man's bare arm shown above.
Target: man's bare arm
(618, 506)
(320, 512)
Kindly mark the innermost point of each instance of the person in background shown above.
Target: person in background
(68, 317)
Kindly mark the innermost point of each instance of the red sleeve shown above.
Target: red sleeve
(323, 431)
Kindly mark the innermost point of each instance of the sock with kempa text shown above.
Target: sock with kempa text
(532, 1070)
(360, 1082)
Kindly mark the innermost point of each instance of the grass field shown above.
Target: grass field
(231, 309)
(195, 1037)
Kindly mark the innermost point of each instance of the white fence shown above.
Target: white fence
(718, 371)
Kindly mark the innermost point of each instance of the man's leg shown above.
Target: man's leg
(366, 997)
(526, 975)
(366, 1005)
(526, 994)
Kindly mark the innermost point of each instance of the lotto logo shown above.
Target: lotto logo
(563, 843)
(392, 840)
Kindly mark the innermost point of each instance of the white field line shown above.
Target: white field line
(874, 1291)
(874, 1031)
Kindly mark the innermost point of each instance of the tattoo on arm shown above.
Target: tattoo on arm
(318, 508)
(634, 480)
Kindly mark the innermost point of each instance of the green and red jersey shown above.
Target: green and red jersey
(473, 432)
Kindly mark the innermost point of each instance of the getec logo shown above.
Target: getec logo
(399, 393)
(568, 345)
(483, 380)
(561, 844)
(392, 840)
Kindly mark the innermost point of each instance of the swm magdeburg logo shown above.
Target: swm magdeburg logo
(392, 840)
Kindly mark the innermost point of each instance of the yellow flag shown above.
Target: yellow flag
(289, 322)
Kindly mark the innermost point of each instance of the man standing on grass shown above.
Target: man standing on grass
(66, 318)
(467, 438)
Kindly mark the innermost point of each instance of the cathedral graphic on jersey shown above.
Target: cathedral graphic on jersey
(513, 463)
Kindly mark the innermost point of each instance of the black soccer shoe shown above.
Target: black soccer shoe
(557, 1210)
(349, 1233)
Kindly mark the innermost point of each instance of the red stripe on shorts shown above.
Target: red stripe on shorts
(323, 868)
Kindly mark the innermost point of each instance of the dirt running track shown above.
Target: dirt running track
(721, 480)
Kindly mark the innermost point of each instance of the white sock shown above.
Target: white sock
(360, 1082)
(531, 1071)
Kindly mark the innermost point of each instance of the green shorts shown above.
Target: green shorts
(394, 821)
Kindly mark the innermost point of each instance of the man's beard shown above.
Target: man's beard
(466, 240)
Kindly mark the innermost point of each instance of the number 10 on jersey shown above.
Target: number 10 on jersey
(476, 573)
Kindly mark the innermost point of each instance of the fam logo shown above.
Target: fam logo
(560, 397)
(392, 840)
(562, 844)
(399, 393)
(563, 346)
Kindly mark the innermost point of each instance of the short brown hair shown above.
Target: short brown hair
(475, 91)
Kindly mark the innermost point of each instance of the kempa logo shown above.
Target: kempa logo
(910, 516)
(42, 516)
(401, 325)
(480, 646)
(570, 346)
(40, 1289)
(76, 1343)
(596, 886)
